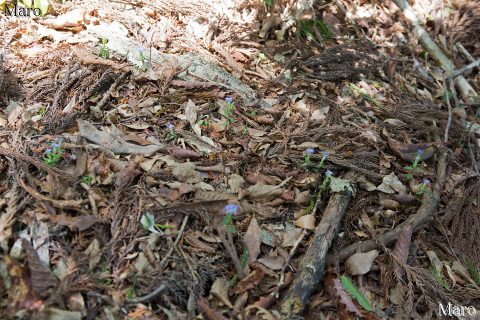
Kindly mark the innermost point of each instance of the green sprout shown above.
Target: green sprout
(322, 160)
(244, 258)
(415, 163)
(229, 111)
(326, 180)
(104, 52)
(439, 277)
(365, 95)
(473, 273)
(314, 29)
(148, 223)
(42, 111)
(203, 123)
(307, 158)
(172, 135)
(143, 61)
(87, 180)
(423, 187)
(230, 211)
(53, 154)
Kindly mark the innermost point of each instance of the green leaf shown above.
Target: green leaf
(27, 3)
(355, 293)
(148, 222)
(163, 226)
(42, 5)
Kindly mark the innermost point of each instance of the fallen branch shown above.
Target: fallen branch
(313, 263)
(425, 213)
(464, 69)
(463, 86)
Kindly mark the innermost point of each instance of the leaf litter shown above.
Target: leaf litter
(138, 189)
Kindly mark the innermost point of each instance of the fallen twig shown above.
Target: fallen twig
(464, 69)
(179, 236)
(313, 263)
(148, 297)
(424, 214)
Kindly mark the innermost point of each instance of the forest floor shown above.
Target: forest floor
(188, 159)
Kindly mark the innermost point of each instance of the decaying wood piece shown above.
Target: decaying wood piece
(194, 64)
(463, 86)
(313, 263)
(416, 221)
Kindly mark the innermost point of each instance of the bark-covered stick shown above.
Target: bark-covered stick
(313, 263)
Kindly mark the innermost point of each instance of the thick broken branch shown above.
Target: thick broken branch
(313, 263)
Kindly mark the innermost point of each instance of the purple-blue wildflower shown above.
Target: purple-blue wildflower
(231, 209)
(48, 151)
(426, 181)
(309, 151)
(325, 155)
(419, 152)
(329, 173)
(170, 126)
(55, 145)
(229, 99)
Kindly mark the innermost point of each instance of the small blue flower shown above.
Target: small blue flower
(325, 155)
(309, 151)
(329, 173)
(229, 99)
(426, 181)
(170, 126)
(140, 51)
(419, 152)
(231, 209)
(48, 151)
(55, 145)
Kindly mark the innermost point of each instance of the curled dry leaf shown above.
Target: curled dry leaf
(253, 240)
(361, 263)
(249, 282)
(182, 154)
(408, 151)
(306, 222)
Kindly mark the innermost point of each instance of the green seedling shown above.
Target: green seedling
(314, 29)
(143, 61)
(244, 258)
(364, 95)
(227, 221)
(473, 273)
(172, 135)
(53, 155)
(415, 164)
(253, 113)
(322, 160)
(423, 187)
(203, 123)
(229, 110)
(148, 223)
(42, 111)
(326, 180)
(307, 159)
(104, 51)
(88, 180)
(439, 277)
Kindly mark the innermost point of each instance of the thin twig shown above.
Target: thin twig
(464, 69)
(281, 282)
(148, 297)
(447, 99)
(179, 236)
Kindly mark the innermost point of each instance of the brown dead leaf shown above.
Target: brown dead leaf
(306, 222)
(252, 240)
(182, 154)
(409, 151)
(193, 238)
(126, 175)
(345, 306)
(249, 282)
(40, 276)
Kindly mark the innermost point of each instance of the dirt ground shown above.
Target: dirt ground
(228, 160)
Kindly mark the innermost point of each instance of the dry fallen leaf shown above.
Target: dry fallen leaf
(253, 240)
(306, 222)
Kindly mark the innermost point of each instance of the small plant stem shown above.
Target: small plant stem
(177, 240)
(226, 238)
